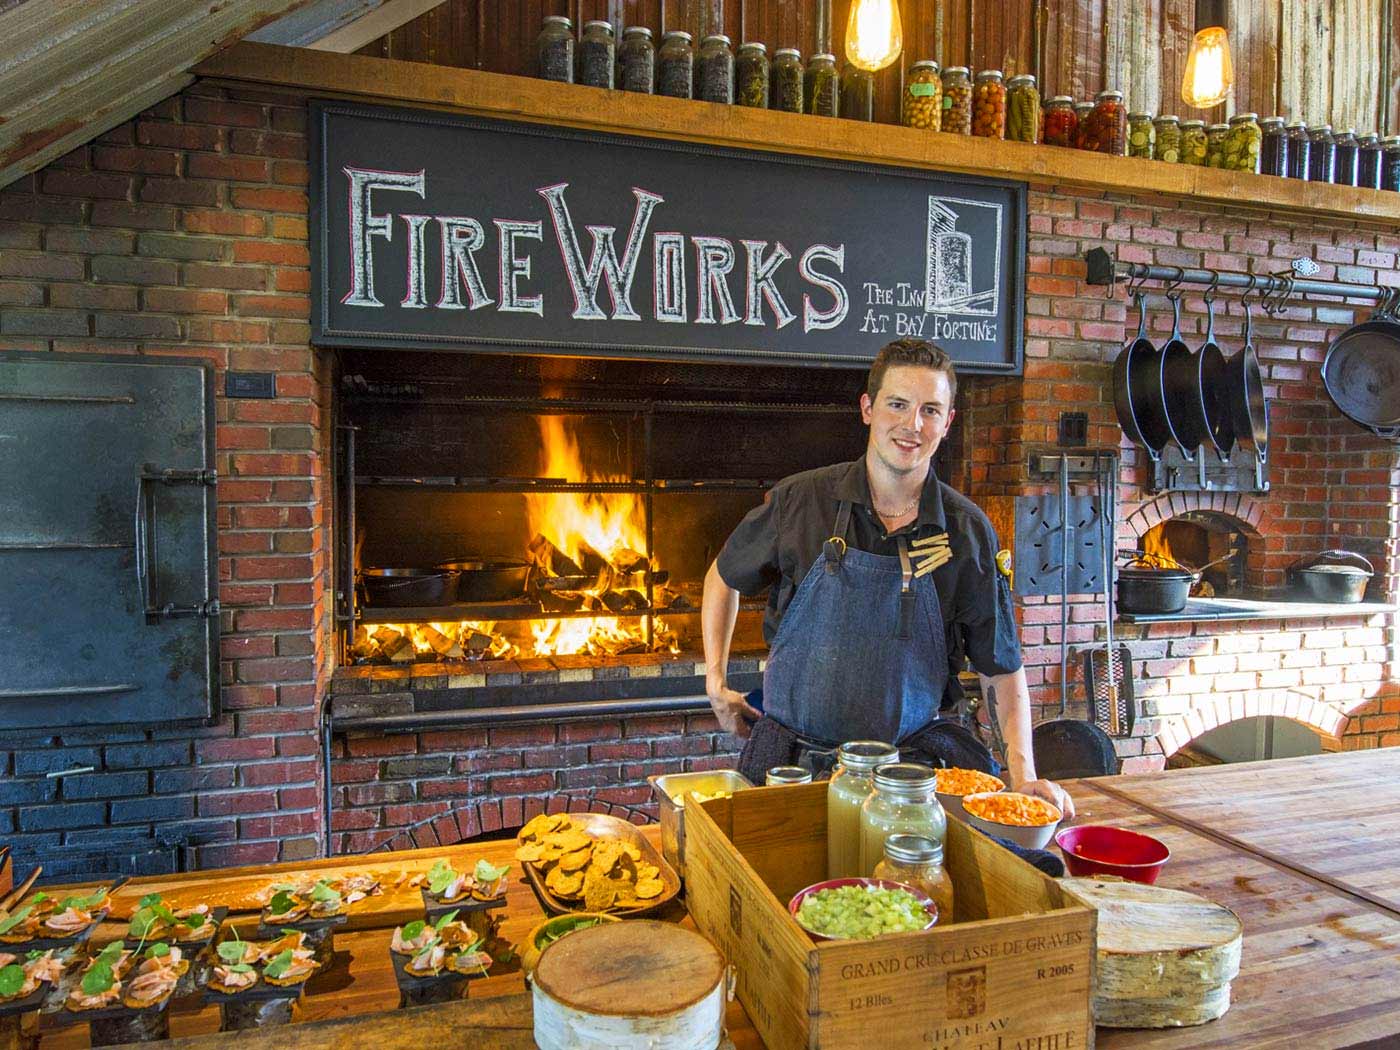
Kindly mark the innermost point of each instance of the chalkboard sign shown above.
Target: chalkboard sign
(444, 232)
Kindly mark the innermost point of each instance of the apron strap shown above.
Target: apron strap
(834, 549)
(907, 597)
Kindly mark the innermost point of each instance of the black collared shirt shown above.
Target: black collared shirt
(777, 542)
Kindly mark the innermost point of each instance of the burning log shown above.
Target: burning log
(395, 645)
(628, 561)
(592, 563)
(550, 559)
(445, 647)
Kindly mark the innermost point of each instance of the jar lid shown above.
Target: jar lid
(957, 69)
(1109, 96)
(1139, 117)
(989, 74)
(913, 849)
(1021, 80)
(1368, 138)
(1244, 116)
(562, 20)
(1319, 128)
(754, 45)
(824, 57)
(1060, 99)
(637, 31)
(1193, 123)
(1219, 127)
(788, 775)
(1271, 122)
(925, 63)
(718, 37)
(865, 755)
(1296, 125)
(905, 778)
(598, 22)
(1391, 140)
(1083, 107)
(1167, 118)
(787, 51)
(676, 34)
(1348, 131)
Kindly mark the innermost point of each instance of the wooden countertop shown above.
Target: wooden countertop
(1297, 848)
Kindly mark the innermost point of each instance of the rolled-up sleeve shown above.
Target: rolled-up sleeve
(749, 562)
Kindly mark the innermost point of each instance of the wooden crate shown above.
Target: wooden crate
(1015, 970)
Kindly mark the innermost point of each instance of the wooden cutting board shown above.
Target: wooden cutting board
(1165, 957)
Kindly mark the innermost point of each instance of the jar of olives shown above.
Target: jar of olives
(675, 65)
(1060, 121)
(636, 60)
(1081, 113)
(922, 104)
(989, 105)
(714, 70)
(1167, 146)
(786, 90)
(554, 50)
(1344, 157)
(597, 59)
(1368, 161)
(1273, 150)
(1139, 135)
(857, 93)
(751, 75)
(957, 100)
(1299, 151)
(1390, 163)
(1105, 130)
(1193, 142)
(1242, 143)
(1324, 153)
(1215, 145)
(821, 87)
(1022, 109)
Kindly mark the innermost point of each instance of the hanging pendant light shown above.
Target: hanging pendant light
(874, 36)
(1210, 71)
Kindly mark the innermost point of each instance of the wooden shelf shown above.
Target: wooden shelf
(324, 74)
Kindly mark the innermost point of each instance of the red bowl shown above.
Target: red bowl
(1096, 849)
(884, 884)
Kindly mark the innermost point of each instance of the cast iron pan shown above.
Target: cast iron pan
(1362, 371)
(1186, 424)
(1211, 388)
(1122, 400)
(489, 579)
(1066, 749)
(402, 588)
(1143, 365)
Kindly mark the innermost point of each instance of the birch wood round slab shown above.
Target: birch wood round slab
(1165, 957)
(630, 985)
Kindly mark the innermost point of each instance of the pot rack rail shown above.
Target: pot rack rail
(1274, 289)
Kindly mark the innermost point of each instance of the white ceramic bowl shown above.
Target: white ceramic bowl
(1037, 837)
(952, 804)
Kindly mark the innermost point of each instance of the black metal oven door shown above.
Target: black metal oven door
(108, 564)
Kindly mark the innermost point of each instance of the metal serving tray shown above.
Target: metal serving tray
(667, 786)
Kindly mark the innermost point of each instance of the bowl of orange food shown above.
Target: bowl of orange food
(1023, 819)
(954, 783)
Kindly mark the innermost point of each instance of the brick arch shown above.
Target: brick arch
(1326, 720)
(1246, 511)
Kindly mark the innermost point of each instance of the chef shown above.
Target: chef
(881, 580)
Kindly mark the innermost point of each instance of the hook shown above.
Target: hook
(1176, 281)
(1214, 287)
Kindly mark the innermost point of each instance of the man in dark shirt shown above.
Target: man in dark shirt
(880, 579)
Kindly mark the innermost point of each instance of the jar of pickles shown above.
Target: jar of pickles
(1193, 142)
(1105, 130)
(1299, 151)
(857, 93)
(554, 50)
(714, 70)
(903, 803)
(1344, 157)
(989, 105)
(597, 58)
(1321, 166)
(1215, 145)
(636, 61)
(785, 92)
(846, 792)
(1022, 109)
(917, 861)
(751, 77)
(922, 104)
(1242, 143)
(1390, 163)
(957, 100)
(1139, 135)
(1060, 121)
(1273, 148)
(1167, 146)
(1081, 113)
(821, 86)
(675, 65)
(1368, 161)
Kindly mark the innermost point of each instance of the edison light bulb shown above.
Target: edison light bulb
(874, 37)
(1210, 74)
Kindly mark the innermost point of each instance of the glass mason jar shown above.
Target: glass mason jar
(1139, 135)
(821, 86)
(597, 55)
(857, 93)
(715, 70)
(1060, 121)
(1193, 142)
(1321, 167)
(1107, 125)
(957, 100)
(554, 50)
(846, 792)
(1215, 144)
(1273, 149)
(903, 802)
(989, 105)
(1243, 143)
(922, 104)
(1299, 151)
(1390, 163)
(751, 75)
(1368, 161)
(787, 775)
(636, 61)
(1081, 114)
(1344, 157)
(918, 861)
(1167, 146)
(786, 90)
(1022, 109)
(675, 65)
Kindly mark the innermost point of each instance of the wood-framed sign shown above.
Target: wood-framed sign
(436, 231)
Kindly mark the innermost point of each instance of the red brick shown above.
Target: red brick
(271, 252)
(213, 275)
(266, 774)
(272, 568)
(618, 752)
(223, 222)
(275, 670)
(292, 281)
(181, 191)
(523, 736)
(230, 114)
(263, 144)
(393, 744)
(133, 216)
(225, 167)
(453, 740)
(267, 199)
(538, 782)
(273, 306)
(220, 804)
(88, 185)
(184, 301)
(299, 798)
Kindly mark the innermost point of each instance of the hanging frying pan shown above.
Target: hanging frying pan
(1176, 376)
(1249, 408)
(1144, 384)
(1211, 386)
(1122, 365)
(1362, 371)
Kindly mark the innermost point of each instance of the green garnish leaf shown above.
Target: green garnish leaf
(440, 876)
(143, 921)
(413, 929)
(240, 968)
(150, 900)
(15, 918)
(11, 980)
(194, 921)
(39, 898)
(99, 977)
(325, 893)
(444, 920)
(34, 953)
(282, 902)
(87, 903)
(487, 872)
(287, 931)
(113, 950)
(288, 887)
(159, 950)
(278, 966)
(231, 951)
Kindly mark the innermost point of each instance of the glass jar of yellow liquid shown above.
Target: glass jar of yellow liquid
(918, 862)
(846, 792)
(903, 803)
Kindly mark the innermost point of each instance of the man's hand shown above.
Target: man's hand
(736, 715)
(1052, 793)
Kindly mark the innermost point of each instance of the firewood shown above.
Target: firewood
(440, 643)
(550, 559)
(592, 563)
(626, 561)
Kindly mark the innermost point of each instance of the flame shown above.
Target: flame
(1156, 551)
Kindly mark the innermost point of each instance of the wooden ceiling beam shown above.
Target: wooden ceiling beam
(369, 27)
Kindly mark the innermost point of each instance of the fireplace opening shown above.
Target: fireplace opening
(1204, 540)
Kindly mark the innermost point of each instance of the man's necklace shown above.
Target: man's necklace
(898, 514)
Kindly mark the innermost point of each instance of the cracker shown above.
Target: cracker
(577, 860)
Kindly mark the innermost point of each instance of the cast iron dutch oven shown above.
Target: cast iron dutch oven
(1362, 371)
(403, 588)
(1136, 393)
(1154, 590)
(1332, 576)
(489, 579)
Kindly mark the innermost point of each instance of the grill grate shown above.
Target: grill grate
(1109, 684)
